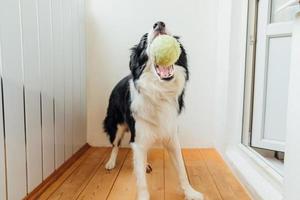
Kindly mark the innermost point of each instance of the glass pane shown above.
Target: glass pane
(284, 15)
(277, 88)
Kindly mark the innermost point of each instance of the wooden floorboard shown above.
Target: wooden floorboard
(80, 176)
(199, 176)
(52, 188)
(172, 186)
(124, 187)
(226, 183)
(88, 179)
(156, 177)
(100, 185)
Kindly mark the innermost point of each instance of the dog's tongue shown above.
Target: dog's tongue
(165, 72)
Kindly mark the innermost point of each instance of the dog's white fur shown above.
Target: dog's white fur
(154, 107)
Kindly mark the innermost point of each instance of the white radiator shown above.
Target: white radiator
(43, 90)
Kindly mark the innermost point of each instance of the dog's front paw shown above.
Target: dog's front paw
(110, 165)
(192, 194)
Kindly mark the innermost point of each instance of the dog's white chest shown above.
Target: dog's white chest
(155, 103)
(158, 110)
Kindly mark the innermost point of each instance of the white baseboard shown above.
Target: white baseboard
(261, 181)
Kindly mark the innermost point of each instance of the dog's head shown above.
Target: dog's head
(140, 56)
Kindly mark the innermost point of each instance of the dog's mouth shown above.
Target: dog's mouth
(156, 34)
(165, 73)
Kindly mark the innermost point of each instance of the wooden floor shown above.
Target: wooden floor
(87, 178)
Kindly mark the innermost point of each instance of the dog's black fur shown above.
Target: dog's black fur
(119, 111)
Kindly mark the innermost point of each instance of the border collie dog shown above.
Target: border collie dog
(147, 104)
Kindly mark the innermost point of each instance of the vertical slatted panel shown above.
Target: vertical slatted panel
(13, 98)
(2, 140)
(76, 77)
(32, 84)
(83, 70)
(59, 82)
(77, 19)
(47, 103)
(42, 52)
(67, 33)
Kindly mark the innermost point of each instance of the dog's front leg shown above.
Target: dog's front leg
(139, 156)
(173, 147)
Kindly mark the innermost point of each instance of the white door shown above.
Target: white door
(272, 74)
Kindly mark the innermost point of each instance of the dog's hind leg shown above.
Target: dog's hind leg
(148, 168)
(111, 163)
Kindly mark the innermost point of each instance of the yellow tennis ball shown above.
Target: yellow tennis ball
(165, 50)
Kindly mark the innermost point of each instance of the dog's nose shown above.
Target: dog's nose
(159, 26)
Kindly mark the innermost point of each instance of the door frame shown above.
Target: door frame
(265, 31)
(249, 72)
(250, 81)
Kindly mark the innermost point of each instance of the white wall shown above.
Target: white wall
(292, 159)
(232, 28)
(115, 26)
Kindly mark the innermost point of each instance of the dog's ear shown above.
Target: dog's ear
(138, 57)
